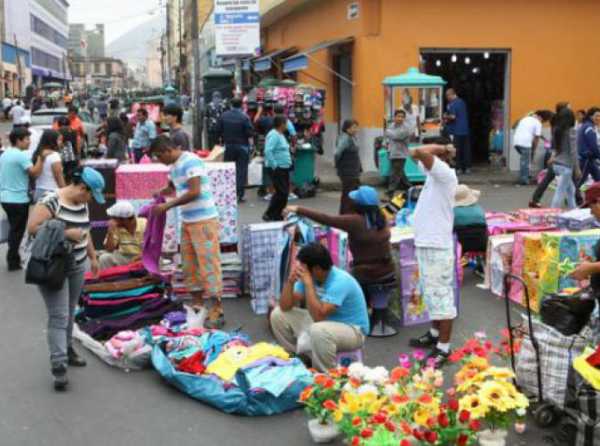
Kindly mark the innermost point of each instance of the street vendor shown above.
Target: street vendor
(591, 270)
(335, 319)
(200, 246)
(434, 242)
(368, 234)
(125, 237)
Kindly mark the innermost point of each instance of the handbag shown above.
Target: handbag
(49, 273)
(569, 314)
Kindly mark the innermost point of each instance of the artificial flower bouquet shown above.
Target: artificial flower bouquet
(405, 406)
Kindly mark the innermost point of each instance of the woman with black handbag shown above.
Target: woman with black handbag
(70, 206)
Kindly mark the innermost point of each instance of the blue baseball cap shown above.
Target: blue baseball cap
(95, 181)
(365, 196)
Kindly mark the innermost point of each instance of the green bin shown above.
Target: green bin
(304, 166)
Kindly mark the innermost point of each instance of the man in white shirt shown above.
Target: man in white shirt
(17, 113)
(526, 138)
(434, 241)
(6, 105)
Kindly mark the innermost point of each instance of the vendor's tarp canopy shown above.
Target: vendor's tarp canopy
(272, 82)
(263, 63)
(414, 78)
(300, 61)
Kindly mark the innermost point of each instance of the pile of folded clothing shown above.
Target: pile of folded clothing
(231, 266)
(122, 298)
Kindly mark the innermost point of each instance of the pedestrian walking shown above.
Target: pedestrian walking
(52, 176)
(434, 241)
(588, 149)
(457, 127)
(564, 156)
(145, 132)
(16, 169)
(68, 154)
(347, 163)
(235, 130)
(91, 106)
(68, 205)
(115, 143)
(398, 136)
(200, 246)
(127, 127)
(17, 112)
(174, 117)
(278, 162)
(527, 135)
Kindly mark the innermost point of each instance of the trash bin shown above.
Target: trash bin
(384, 162)
(304, 166)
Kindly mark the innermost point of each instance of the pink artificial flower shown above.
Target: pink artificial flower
(404, 360)
(419, 355)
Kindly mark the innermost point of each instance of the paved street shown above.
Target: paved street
(107, 406)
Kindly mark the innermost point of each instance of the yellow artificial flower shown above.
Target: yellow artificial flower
(478, 363)
(494, 394)
(473, 405)
(500, 373)
(350, 403)
(421, 416)
(391, 409)
(376, 405)
(338, 415)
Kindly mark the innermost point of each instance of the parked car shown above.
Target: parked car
(43, 119)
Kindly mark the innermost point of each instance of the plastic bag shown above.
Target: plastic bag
(568, 315)
(255, 172)
(195, 320)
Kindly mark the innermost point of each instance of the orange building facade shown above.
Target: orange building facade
(548, 50)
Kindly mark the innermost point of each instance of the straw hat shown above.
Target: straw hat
(465, 196)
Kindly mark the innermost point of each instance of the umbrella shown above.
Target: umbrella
(49, 85)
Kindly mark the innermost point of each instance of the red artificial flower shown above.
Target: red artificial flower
(356, 421)
(418, 434)
(464, 416)
(406, 428)
(354, 382)
(400, 399)
(356, 441)
(379, 418)
(405, 442)
(488, 345)
(453, 405)
(431, 422)
(425, 399)
(462, 440)
(431, 437)
(398, 373)
(329, 383)
(480, 352)
(329, 405)
(443, 420)
(320, 380)
(366, 432)
(475, 425)
(456, 355)
(390, 426)
(343, 371)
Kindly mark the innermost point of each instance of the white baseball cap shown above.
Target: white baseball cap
(121, 209)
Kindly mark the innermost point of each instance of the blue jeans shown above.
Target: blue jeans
(565, 189)
(525, 153)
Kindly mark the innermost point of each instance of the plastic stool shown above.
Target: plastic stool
(344, 359)
(379, 298)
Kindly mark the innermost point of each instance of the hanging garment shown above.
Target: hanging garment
(153, 237)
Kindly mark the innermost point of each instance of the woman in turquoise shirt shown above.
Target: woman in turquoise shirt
(278, 162)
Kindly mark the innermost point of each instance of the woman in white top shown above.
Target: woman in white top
(52, 177)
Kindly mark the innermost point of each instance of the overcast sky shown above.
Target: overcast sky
(119, 16)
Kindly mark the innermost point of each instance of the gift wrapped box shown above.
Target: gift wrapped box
(498, 261)
(563, 251)
(539, 217)
(140, 181)
(410, 307)
(501, 223)
(576, 220)
(527, 252)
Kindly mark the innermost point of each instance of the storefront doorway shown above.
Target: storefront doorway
(343, 66)
(482, 79)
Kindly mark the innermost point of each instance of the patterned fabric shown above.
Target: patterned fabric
(556, 355)
(436, 280)
(201, 255)
(136, 182)
(263, 245)
(190, 166)
(583, 410)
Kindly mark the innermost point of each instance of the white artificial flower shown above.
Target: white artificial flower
(378, 375)
(367, 388)
(356, 370)
(390, 390)
(521, 412)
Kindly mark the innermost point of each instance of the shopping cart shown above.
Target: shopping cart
(544, 412)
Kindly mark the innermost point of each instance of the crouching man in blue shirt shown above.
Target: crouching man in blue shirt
(335, 318)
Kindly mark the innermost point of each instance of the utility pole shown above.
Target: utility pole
(180, 6)
(198, 88)
(169, 30)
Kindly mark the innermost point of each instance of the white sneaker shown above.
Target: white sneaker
(292, 197)
(268, 197)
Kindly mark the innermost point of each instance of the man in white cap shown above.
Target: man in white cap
(123, 243)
